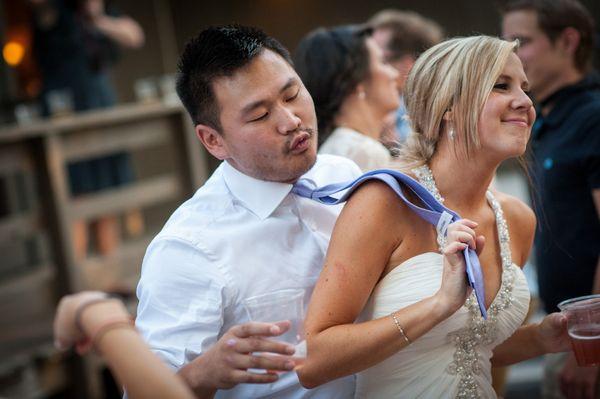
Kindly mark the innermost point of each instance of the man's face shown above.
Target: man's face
(268, 120)
(542, 60)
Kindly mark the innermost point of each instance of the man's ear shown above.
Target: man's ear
(569, 40)
(212, 141)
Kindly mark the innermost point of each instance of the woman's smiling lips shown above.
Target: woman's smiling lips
(522, 122)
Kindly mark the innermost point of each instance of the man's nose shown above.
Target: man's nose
(287, 121)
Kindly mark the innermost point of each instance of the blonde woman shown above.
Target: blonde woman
(392, 302)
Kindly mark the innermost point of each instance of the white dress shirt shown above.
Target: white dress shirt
(236, 237)
(367, 152)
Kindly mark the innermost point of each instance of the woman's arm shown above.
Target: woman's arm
(105, 321)
(548, 336)
(531, 340)
(368, 231)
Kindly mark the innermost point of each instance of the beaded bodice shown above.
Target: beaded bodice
(453, 358)
(478, 331)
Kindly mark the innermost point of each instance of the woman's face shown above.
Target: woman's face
(380, 86)
(508, 114)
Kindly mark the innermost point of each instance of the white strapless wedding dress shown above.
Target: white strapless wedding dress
(453, 359)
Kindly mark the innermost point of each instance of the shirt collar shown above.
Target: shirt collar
(259, 196)
(565, 100)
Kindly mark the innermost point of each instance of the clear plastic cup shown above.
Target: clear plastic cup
(280, 305)
(583, 324)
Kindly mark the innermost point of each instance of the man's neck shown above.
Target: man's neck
(568, 78)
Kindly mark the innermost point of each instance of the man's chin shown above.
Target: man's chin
(300, 169)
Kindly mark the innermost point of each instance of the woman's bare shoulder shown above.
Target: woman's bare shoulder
(521, 222)
(515, 210)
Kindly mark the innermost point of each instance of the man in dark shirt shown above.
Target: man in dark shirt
(556, 42)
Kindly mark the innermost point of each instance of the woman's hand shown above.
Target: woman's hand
(552, 333)
(455, 289)
(66, 332)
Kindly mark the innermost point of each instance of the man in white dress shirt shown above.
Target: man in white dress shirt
(243, 233)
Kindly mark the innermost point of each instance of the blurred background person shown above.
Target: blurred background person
(75, 43)
(556, 43)
(403, 36)
(353, 89)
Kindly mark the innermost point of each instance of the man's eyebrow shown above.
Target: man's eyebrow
(291, 81)
(259, 103)
(253, 105)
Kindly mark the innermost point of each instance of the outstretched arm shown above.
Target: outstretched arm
(121, 29)
(548, 336)
(105, 321)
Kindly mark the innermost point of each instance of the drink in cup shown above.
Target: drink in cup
(583, 316)
(280, 305)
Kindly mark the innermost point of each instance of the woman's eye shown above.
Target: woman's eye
(501, 86)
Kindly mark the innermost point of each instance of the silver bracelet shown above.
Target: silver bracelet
(397, 323)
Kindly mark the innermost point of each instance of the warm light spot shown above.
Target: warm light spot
(13, 53)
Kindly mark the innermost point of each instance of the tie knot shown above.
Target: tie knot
(304, 188)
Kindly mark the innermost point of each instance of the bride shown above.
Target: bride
(392, 302)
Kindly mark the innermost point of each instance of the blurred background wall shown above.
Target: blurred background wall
(169, 23)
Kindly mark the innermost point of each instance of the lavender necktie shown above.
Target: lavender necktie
(434, 212)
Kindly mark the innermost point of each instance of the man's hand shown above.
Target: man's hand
(578, 382)
(226, 364)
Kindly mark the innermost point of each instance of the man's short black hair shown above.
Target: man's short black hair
(216, 52)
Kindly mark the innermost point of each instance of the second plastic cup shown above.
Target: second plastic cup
(280, 305)
(583, 324)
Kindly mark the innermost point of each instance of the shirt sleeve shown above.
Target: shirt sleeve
(181, 301)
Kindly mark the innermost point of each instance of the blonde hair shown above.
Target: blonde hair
(457, 75)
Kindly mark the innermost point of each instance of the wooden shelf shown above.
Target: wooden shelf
(19, 225)
(118, 272)
(170, 165)
(136, 195)
(90, 119)
(92, 143)
(27, 305)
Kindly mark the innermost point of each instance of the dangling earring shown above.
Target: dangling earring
(362, 95)
(451, 133)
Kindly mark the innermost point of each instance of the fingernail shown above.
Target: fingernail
(231, 342)
(290, 350)
(289, 365)
(275, 330)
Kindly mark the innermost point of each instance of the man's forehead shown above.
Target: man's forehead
(520, 21)
(265, 75)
